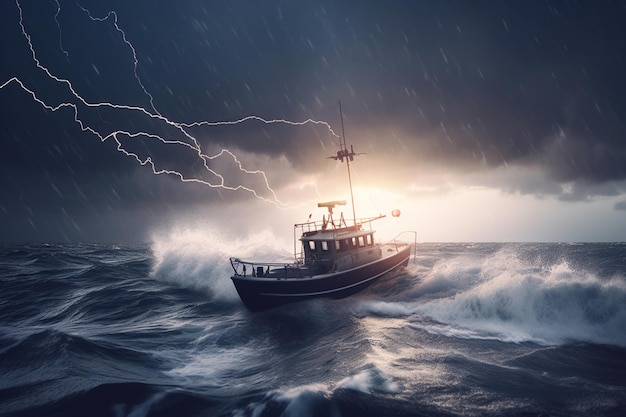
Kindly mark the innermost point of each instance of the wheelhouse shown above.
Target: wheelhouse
(330, 245)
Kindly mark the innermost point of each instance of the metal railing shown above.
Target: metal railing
(266, 269)
(395, 242)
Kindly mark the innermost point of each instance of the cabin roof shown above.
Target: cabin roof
(335, 234)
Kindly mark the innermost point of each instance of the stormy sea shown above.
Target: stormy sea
(465, 330)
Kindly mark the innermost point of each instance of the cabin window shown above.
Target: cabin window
(312, 245)
(361, 241)
(370, 241)
(324, 246)
(337, 246)
(354, 242)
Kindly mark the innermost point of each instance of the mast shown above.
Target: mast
(343, 153)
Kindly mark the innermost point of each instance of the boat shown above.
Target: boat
(334, 258)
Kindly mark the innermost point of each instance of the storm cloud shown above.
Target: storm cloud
(480, 88)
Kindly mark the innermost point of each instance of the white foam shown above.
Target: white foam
(504, 297)
(317, 399)
(214, 364)
(501, 296)
(197, 257)
(386, 309)
(369, 380)
(300, 401)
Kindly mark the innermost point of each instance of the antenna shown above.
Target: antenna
(343, 152)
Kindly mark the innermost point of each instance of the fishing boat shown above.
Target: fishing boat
(333, 258)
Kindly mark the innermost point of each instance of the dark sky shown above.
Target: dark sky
(468, 87)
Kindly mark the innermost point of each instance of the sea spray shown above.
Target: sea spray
(509, 296)
(198, 257)
(522, 302)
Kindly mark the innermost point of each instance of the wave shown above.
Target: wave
(130, 399)
(49, 367)
(198, 258)
(368, 392)
(326, 399)
(507, 296)
(55, 349)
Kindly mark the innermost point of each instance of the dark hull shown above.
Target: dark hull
(263, 293)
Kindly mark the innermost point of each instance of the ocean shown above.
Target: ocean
(465, 330)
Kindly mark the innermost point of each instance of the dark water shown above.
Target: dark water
(469, 329)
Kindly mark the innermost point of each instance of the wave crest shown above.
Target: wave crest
(198, 258)
(514, 298)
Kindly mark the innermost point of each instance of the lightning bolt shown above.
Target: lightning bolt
(56, 19)
(116, 135)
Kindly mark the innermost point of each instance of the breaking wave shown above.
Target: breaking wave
(508, 297)
(198, 258)
(320, 399)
